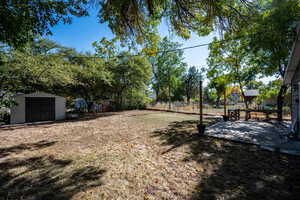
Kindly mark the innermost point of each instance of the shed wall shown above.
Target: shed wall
(18, 114)
(60, 108)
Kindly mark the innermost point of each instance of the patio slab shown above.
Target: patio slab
(253, 132)
(267, 135)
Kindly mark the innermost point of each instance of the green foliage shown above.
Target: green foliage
(210, 95)
(270, 91)
(168, 70)
(46, 66)
(230, 60)
(254, 85)
(22, 20)
(219, 83)
(269, 39)
(137, 18)
(272, 35)
(130, 74)
(191, 81)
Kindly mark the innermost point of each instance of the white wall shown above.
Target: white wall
(60, 108)
(18, 112)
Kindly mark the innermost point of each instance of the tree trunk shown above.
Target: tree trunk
(245, 100)
(169, 84)
(225, 102)
(169, 97)
(157, 94)
(237, 73)
(218, 101)
(188, 98)
(280, 100)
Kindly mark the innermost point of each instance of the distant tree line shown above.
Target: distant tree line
(46, 66)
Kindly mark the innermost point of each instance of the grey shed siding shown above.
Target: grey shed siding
(295, 93)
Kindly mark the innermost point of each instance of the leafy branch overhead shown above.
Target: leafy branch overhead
(134, 18)
(128, 19)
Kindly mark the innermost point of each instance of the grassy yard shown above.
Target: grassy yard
(138, 155)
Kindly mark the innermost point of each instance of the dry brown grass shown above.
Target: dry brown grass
(138, 155)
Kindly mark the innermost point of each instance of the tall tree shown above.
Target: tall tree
(271, 37)
(191, 81)
(231, 57)
(219, 83)
(130, 72)
(168, 69)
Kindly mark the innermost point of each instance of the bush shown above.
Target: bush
(5, 117)
(286, 110)
(136, 100)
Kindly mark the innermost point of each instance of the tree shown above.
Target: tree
(24, 72)
(252, 85)
(271, 39)
(191, 81)
(91, 79)
(210, 95)
(22, 20)
(231, 57)
(136, 18)
(129, 74)
(168, 69)
(219, 83)
(269, 91)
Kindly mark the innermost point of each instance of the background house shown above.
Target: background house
(250, 95)
(36, 107)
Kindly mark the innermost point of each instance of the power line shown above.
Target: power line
(143, 54)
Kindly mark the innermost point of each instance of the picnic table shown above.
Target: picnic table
(234, 114)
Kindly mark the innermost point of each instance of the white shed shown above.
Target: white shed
(38, 106)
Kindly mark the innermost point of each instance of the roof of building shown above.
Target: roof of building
(294, 61)
(36, 94)
(251, 93)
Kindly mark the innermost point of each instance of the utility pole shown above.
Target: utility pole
(201, 126)
(169, 83)
(225, 103)
(200, 102)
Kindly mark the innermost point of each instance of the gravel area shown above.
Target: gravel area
(253, 132)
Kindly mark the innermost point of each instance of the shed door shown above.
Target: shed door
(39, 109)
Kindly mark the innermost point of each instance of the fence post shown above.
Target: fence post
(200, 102)
(225, 103)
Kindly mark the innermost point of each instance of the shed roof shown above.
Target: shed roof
(294, 61)
(251, 93)
(37, 94)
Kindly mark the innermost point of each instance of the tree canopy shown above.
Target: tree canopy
(134, 18)
(23, 20)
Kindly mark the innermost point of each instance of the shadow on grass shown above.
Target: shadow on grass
(233, 170)
(44, 177)
(6, 151)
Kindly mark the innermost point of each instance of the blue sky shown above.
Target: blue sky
(86, 30)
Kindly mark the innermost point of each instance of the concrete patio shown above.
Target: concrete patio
(267, 135)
